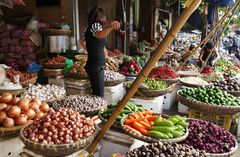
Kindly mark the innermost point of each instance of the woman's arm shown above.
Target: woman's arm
(201, 55)
(218, 56)
(115, 25)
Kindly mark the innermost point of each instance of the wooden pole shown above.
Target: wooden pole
(212, 32)
(215, 44)
(146, 70)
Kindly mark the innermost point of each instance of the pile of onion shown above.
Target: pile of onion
(16, 112)
(61, 127)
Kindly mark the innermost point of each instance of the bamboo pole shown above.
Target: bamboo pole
(211, 33)
(146, 70)
(215, 44)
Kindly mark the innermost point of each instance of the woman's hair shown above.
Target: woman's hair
(209, 45)
(191, 47)
(97, 15)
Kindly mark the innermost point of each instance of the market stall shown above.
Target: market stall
(137, 115)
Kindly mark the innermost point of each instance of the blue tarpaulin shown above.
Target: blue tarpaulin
(213, 4)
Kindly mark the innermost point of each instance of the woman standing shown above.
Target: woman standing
(205, 52)
(95, 37)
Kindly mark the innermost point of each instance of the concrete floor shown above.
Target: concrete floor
(174, 111)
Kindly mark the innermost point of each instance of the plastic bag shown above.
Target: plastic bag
(34, 67)
(68, 64)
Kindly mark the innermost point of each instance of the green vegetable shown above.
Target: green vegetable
(157, 134)
(164, 122)
(177, 133)
(164, 129)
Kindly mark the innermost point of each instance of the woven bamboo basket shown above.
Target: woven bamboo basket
(14, 92)
(54, 66)
(55, 32)
(114, 83)
(31, 81)
(188, 84)
(228, 154)
(235, 93)
(150, 139)
(90, 112)
(78, 76)
(10, 132)
(208, 108)
(156, 93)
(57, 150)
(188, 75)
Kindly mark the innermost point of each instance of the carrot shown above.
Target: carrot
(152, 123)
(129, 121)
(143, 131)
(146, 125)
(131, 117)
(140, 115)
(152, 118)
(148, 112)
(134, 115)
(145, 120)
(132, 129)
(138, 125)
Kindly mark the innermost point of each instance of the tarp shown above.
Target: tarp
(213, 4)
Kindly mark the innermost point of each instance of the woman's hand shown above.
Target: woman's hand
(115, 25)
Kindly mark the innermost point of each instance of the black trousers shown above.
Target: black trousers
(96, 75)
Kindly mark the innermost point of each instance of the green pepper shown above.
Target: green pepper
(183, 123)
(157, 120)
(177, 133)
(164, 123)
(173, 119)
(169, 135)
(157, 134)
(164, 129)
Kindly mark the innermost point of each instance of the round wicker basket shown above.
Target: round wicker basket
(156, 93)
(150, 139)
(14, 92)
(90, 112)
(57, 150)
(208, 108)
(31, 81)
(114, 83)
(55, 32)
(10, 132)
(54, 66)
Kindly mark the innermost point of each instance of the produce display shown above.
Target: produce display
(140, 122)
(212, 77)
(112, 76)
(15, 111)
(130, 107)
(23, 76)
(129, 66)
(194, 81)
(111, 64)
(44, 92)
(140, 60)
(172, 127)
(163, 72)
(189, 68)
(223, 65)
(79, 66)
(207, 70)
(148, 124)
(56, 60)
(114, 53)
(207, 136)
(81, 103)
(228, 84)
(61, 127)
(166, 150)
(151, 84)
(211, 95)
